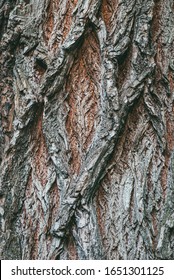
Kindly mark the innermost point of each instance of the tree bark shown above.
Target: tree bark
(87, 129)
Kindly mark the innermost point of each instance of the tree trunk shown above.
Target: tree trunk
(87, 129)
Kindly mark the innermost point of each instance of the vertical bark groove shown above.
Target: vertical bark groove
(83, 87)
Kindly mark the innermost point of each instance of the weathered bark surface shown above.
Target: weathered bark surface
(87, 129)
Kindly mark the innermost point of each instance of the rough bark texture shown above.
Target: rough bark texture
(87, 129)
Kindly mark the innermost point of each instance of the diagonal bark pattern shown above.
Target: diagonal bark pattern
(86, 129)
